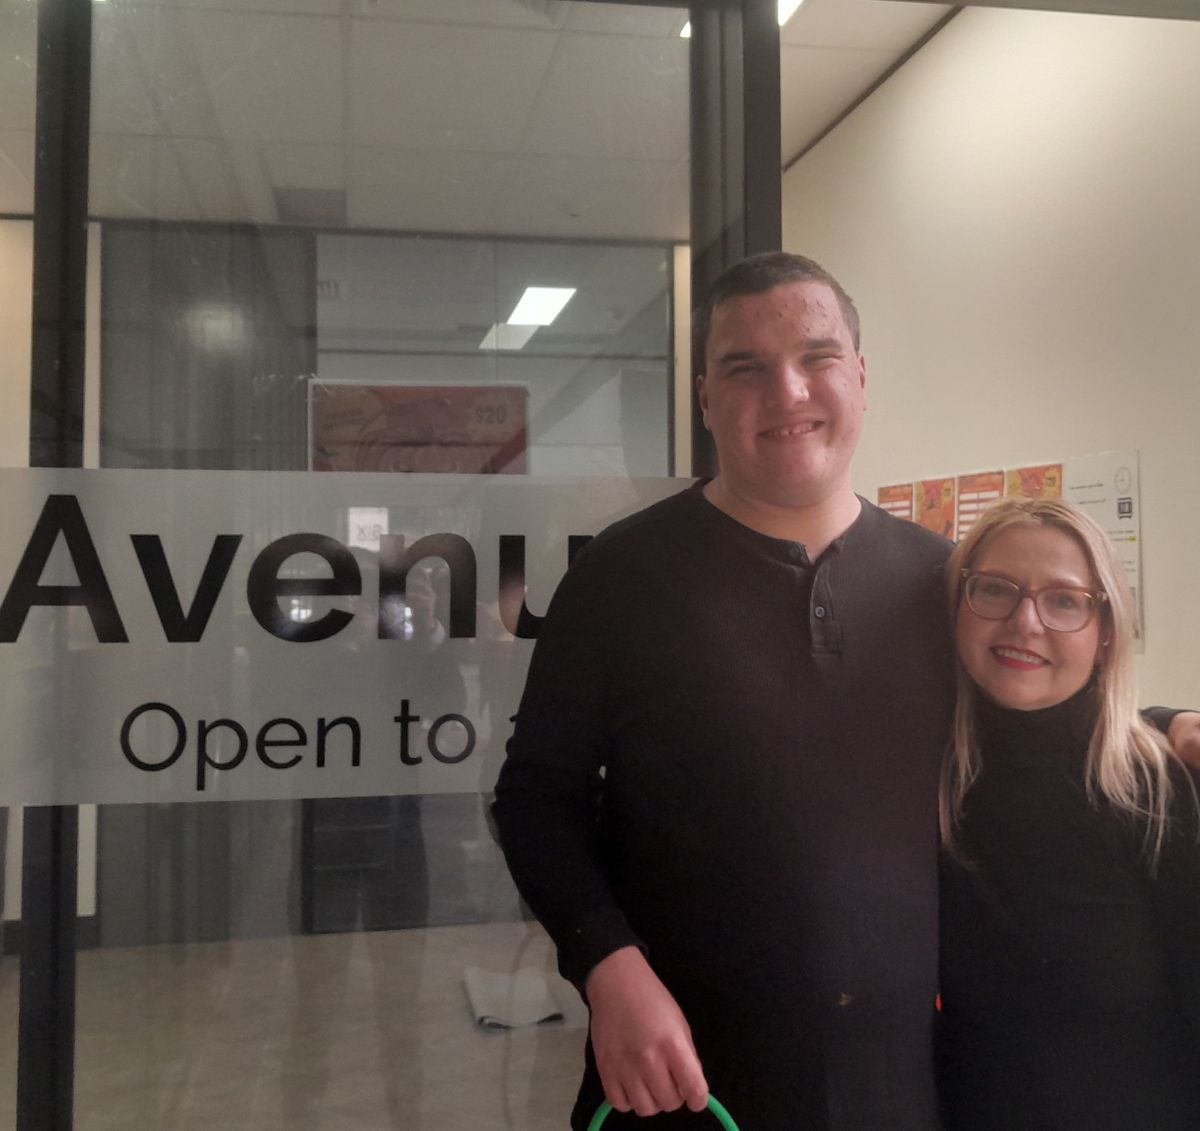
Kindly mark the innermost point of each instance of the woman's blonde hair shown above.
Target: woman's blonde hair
(1127, 760)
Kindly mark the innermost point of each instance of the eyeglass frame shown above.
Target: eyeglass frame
(1097, 596)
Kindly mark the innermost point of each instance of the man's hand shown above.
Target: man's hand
(642, 1042)
(1184, 735)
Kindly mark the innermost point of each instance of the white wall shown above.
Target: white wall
(1015, 213)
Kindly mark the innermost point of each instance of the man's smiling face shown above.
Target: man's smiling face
(783, 393)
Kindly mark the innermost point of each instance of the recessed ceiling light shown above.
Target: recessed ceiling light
(502, 336)
(685, 32)
(539, 306)
(787, 9)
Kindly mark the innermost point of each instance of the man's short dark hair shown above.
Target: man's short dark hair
(765, 272)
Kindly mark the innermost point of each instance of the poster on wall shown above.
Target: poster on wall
(1041, 481)
(463, 429)
(1107, 487)
(897, 499)
(935, 505)
(977, 492)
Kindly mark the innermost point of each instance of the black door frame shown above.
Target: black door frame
(49, 862)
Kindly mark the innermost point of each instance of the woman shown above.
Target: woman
(1071, 884)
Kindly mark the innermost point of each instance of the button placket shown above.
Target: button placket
(826, 635)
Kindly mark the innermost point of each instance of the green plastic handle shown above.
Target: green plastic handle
(714, 1105)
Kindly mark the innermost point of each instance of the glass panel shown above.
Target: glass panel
(425, 312)
(16, 338)
(18, 93)
(18, 72)
(18, 80)
(312, 217)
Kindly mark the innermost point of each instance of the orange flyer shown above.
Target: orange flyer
(1045, 481)
(466, 429)
(935, 505)
(897, 499)
(976, 493)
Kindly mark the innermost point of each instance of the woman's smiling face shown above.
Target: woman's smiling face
(1017, 661)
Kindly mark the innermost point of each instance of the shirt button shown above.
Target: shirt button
(819, 612)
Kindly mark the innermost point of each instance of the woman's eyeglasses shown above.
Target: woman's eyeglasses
(1061, 608)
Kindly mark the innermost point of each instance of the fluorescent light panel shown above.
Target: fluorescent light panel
(503, 336)
(787, 9)
(539, 306)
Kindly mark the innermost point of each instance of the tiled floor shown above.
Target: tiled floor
(351, 1032)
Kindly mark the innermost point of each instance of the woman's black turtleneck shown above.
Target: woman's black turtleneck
(1070, 970)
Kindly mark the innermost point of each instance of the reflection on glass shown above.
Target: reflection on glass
(16, 339)
(18, 73)
(504, 117)
(18, 84)
(592, 385)
(18, 88)
(312, 218)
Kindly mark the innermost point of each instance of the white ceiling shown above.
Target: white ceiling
(504, 116)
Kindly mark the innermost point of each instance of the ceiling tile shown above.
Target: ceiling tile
(217, 75)
(626, 19)
(250, 186)
(613, 96)
(305, 166)
(592, 198)
(178, 179)
(16, 171)
(421, 191)
(480, 13)
(480, 193)
(465, 115)
(18, 65)
(272, 78)
(253, 7)
(423, 86)
(147, 76)
(139, 177)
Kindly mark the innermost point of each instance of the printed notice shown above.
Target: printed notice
(1107, 487)
(977, 492)
(897, 499)
(460, 429)
(935, 505)
(1042, 481)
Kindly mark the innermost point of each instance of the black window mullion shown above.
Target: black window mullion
(46, 1027)
(736, 160)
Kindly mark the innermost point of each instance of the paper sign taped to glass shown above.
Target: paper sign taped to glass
(457, 429)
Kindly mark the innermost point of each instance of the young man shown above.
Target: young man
(720, 795)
